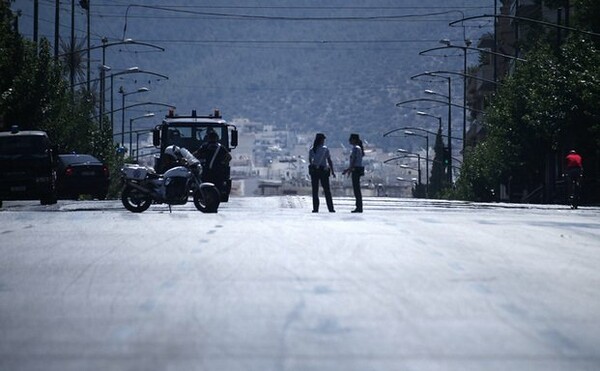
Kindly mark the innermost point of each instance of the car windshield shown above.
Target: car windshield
(191, 137)
(23, 145)
(77, 159)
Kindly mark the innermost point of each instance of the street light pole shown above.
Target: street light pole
(112, 94)
(131, 120)
(449, 123)
(127, 71)
(439, 118)
(123, 95)
(400, 150)
(411, 133)
(467, 46)
(103, 70)
(105, 44)
(72, 50)
(449, 97)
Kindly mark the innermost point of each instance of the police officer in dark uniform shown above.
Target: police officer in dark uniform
(214, 159)
(320, 168)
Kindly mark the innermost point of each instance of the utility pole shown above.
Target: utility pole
(85, 5)
(56, 27)
(495, 43)
(16, 21)
(87, 10)
(72, 49)
(36, 14)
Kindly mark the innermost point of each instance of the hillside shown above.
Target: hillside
(337, 68)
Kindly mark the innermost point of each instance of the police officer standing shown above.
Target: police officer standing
(320, 168)
(356, 169)
(214, 159)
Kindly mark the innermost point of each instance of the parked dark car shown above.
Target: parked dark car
(27, 166)
(80, 174)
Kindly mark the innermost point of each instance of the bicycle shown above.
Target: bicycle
(574, 190)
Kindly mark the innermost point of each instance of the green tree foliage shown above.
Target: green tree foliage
(35, 96)
(438, 179)
(546, 107)
(73, 58)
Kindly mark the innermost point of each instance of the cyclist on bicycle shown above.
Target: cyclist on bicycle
(574, 172)
(574, 165)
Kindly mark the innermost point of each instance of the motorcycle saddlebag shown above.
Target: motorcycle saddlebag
(134, 172)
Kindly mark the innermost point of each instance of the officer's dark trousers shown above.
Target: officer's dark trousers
(322, 177)
(357, 192)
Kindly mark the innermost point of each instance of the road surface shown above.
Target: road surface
(267, 285)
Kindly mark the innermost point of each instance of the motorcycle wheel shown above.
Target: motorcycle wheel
(134, 200)
(207, 200)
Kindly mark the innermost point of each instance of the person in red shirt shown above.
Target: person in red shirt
(574, 165)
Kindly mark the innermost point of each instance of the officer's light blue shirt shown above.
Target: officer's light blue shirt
(319, 157)
(356, 157)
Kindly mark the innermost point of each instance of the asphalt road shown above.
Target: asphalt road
(267, 285)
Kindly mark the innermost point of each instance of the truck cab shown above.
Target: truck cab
(190, 133)
(27, 166)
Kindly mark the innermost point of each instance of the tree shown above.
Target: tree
(73, 59)
(545, 108)
(35, 96)
(437, 181)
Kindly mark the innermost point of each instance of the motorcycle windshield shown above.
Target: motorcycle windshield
(187, 155)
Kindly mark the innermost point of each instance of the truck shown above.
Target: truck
(27, 166)
(189, 132)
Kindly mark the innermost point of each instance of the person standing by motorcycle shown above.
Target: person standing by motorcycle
(356, 169)
(320, 168)
(214, 159)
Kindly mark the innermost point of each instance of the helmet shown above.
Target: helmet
(173, 151)
(572, 151)
(212, 136)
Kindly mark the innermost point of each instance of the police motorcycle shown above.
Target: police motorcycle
(143, 186)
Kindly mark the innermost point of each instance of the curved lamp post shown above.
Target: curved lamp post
(413, 181)
(130, 70)
(439, 118)
(105, 44)
(449, 123)
(463, 75)
(131, 120)
(524, 19)
(410, 154)
(467, 46)
(412, 133)
(124, 94)
(449, 97)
